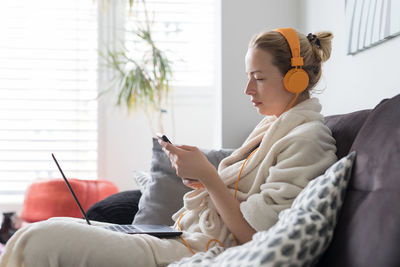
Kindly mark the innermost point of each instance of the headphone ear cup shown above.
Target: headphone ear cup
(296, 80)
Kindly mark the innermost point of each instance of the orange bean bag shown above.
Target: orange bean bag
(51, 198)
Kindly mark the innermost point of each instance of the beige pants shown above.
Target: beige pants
(71, 242)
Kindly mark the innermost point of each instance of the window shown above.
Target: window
(49, 65)
(48, 89)
(187, 31)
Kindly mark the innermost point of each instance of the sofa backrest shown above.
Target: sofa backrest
(345, 129)
(368, 232)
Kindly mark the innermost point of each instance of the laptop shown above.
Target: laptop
(150, 229)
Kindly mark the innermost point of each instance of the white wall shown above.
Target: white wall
(352, 82)
(125, 139)
(240, 20)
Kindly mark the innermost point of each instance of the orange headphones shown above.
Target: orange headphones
(296, 79)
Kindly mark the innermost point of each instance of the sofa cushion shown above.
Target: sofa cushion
(368, 232)
(302, 232)
(163, 195)
(345, 128)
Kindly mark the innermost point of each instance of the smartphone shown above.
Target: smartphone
(163, 137)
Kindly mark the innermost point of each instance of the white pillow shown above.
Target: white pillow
(142, 179)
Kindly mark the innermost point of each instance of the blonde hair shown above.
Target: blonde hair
(314, 52)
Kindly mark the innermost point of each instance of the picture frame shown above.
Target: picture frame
(371, 22)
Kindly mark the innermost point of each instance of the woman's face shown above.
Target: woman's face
(265, 85)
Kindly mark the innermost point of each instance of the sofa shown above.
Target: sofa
(367, 231)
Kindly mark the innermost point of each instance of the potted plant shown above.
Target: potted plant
(141, 82)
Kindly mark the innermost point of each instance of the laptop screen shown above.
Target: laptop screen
(72, 191)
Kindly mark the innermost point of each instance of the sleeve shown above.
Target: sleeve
(300, 161)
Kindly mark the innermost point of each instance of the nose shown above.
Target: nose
(249, 88)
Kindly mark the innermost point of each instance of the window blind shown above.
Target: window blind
(48, 89)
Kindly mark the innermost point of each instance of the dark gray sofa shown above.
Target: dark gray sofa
(368, 232)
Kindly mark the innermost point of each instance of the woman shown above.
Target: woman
(287, 149)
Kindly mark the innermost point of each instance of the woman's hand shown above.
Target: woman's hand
(189, 163)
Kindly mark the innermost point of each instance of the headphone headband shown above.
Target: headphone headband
(294, 44)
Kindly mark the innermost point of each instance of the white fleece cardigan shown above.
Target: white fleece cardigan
(293, 149)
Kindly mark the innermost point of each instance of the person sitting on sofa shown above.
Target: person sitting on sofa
(288, 148)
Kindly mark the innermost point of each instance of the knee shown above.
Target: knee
(37, 243)
(45, 235)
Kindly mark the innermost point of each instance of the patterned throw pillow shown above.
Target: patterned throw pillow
(302, 233)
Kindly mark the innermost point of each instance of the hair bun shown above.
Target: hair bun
(323, 42)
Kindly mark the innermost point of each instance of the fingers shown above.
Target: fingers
(168, 147)
(172, 153)
(183, 158)
(176, 148)
(186, 147)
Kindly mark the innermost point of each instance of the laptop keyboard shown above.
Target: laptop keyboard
(122, 228)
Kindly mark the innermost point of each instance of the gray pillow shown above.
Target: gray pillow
(163, 195)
